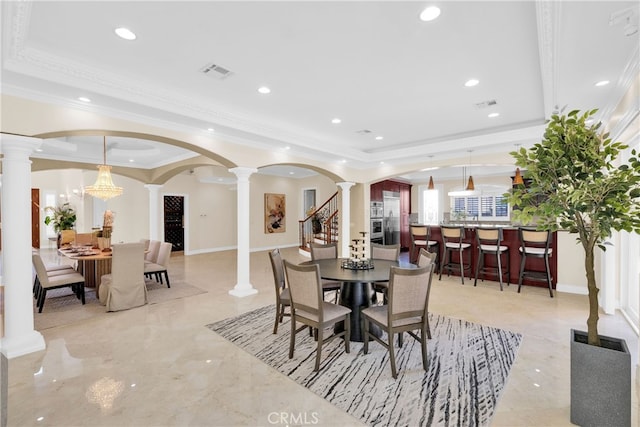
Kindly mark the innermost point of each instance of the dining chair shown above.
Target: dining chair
(489, 241)
(46, 282)
(388, 253)
(124, 288)
(67, 237)
(53, 270)
(83, 239)
(421, 238)
(283, 299)
(309, 308)
(326, 251)
(153, 248)
(453, 241)
(406, 311)
(158, 268)
(535, 244)
(425, 258)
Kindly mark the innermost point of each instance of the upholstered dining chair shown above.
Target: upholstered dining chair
(326, 251)
(309, 308)
(67, 237)
(153, 247)
(83, 239)
(283, 300)
(158, 268)
(425, 258)
(46, 282)
(406, 311)
(124, 288)
(53, 270)
(385, 252)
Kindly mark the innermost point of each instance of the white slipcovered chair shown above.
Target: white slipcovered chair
(159, 267)
(124, 288)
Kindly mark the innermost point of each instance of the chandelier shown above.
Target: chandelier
(104, 188)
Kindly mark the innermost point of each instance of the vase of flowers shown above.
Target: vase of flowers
(62, 217)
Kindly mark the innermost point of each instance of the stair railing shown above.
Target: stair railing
(321, 224)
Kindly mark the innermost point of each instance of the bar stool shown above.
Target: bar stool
(452, 241)
(489, 243)
(421, 238)
(535, 244)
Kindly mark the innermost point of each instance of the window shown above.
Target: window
(429, 210)
(484, 207)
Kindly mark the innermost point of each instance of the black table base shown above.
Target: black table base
(357, 296)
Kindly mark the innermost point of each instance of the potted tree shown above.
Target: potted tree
(576, 182)
(62, 217)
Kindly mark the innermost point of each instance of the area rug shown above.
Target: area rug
(62, 307)
(468, 369)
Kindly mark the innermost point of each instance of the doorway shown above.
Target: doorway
(309, 200)
(174, 222)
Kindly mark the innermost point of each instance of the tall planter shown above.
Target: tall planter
(600, 382)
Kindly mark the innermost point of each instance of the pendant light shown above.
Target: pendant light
(104, 188)
(470, 185)
(431, 186)
(517, 180)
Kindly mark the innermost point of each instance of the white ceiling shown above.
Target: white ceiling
(373, 64)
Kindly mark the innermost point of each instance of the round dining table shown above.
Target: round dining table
(356, 291)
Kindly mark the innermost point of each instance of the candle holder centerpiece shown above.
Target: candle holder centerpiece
(358, 258)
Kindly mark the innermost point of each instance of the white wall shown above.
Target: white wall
(212, 210)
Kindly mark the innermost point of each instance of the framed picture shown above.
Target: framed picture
(274, 213)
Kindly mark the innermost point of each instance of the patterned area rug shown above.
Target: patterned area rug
(63, 308)
(468, 368)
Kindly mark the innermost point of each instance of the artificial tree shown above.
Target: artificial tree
(576, 182)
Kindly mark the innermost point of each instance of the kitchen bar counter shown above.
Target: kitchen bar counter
(511, 239)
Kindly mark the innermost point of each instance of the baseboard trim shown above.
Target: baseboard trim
(572, 289)
(233, 248)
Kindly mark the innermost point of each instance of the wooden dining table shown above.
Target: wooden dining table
(92, 264)
(356, 291)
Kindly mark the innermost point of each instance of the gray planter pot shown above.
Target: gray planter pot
(600, 382)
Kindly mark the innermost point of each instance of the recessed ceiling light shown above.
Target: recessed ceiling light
(264, 90)
(343, 161)
(125, 33)
(287, 148)
(336, 121)
(382, 163)
(602, 83)
(84, 99)
(492, 115)
(211, 129)
(292, 173)
(430, 13)
(131, 161)
(471, 82)
(379, 138)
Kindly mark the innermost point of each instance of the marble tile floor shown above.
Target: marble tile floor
(158, 365)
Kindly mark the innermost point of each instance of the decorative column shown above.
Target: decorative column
(243, 287)
(154, 211)
(19, 336)
(345, 215)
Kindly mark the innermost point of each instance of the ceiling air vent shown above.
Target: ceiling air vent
(363, 131)
(485, 104)
(216, 71)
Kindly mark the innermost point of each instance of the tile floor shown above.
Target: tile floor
(158, 365)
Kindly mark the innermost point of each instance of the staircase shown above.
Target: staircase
(321, 226)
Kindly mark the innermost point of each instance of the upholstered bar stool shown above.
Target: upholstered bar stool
(489, 242)
(421, 238)
(535, 244)
(453, 241)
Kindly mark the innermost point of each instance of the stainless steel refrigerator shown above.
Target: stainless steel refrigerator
(391, 220)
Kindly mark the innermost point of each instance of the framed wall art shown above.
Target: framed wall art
(274, 213)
